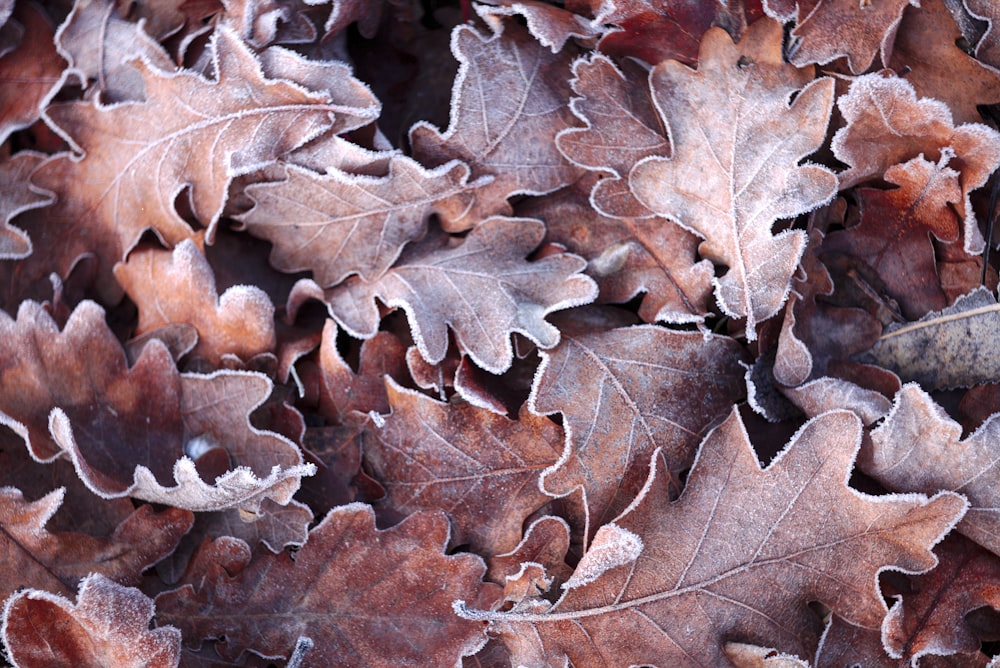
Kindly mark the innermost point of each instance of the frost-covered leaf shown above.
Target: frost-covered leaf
(483, 469)
(510, 100)
(739, 555)
(30, 72)
(480, 287)
(17, 196)
(625, 392)
(108, 626)
(337, 224)
(735, 171)
(552, 26)
(362, 595)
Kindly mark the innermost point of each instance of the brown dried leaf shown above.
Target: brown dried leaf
(57, 383)
(34, 557)
(918, 449)
(483, 469)
(179, 288)
(510, 100)
(738, 555)
(362, 595)
(108, 626)
(552, 26)
(137, 155)
(265, 22)
(893, 237)
(743, 655)
(623, 393)
(16, 196)
(629, 256)
(888, 125)
(829, 29)
(943, 350)
(735, 171)
(337, 225)
(481, 287)
(30, 73)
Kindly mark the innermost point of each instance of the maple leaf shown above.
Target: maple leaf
(30, 73)
(482, 287)
(136, 155)
(340, 224)
(58, 385)
(482, 468)
(34, 557)
(919, 447)
(16, 197)
(623, 393)
(755, 140)
(361, 595)
(108, 625)
(179, 287)
(737, 556)
(510, 100)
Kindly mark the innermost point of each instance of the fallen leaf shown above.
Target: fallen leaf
(337, 224)
(265, 22)
(750, 656)
(16, 197)
(940, 350)
(510, 100)
(362, 595)
(30, 73)
(738, 555)
(34, 557)
(625, 392)
(483, 289)
(756, 141)
(178, 287)
(918, 448)
(108, 625)
(483, 469)
(552, 26)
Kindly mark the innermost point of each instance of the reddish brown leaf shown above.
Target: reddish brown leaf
(510, 100)
(108, 626)
(755, 140)
(338, 224)
(625, 392)
(918, 448)
(33, 557)
(363, 596)
(738, 555)
(844, 644)
(482, 288)
(483, 469)
(552, 26)
(136, 155)
(265, 22)
(829, 29)
(545, 544)
(30, 73)
(893, 237)
(15, 197)
(179, 288)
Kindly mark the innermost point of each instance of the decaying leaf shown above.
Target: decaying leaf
(30, 72)
(733, 172)
(15, 197)
(738, 555)
(481, 288)
(625, 392)
(483, 469)
(511, 99)
(362, 595)
(919, 448)
(108, 626)
(178, 287)
(941, 350)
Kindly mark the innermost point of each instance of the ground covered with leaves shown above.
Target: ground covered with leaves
(592, 333)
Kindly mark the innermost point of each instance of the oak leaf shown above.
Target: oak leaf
(35, 557)
(734, 172)
(737, 557)
(178, 287)
(136, 155)
(337, 224)
(108, 625)
(362, 595)
(30, 74)
(552, 26)
(510, 100)
(16, 196)
(483, 469)
(919, 448)
(481, 287)
(625, 392)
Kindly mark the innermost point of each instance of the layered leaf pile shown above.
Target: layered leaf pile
(499, 333)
